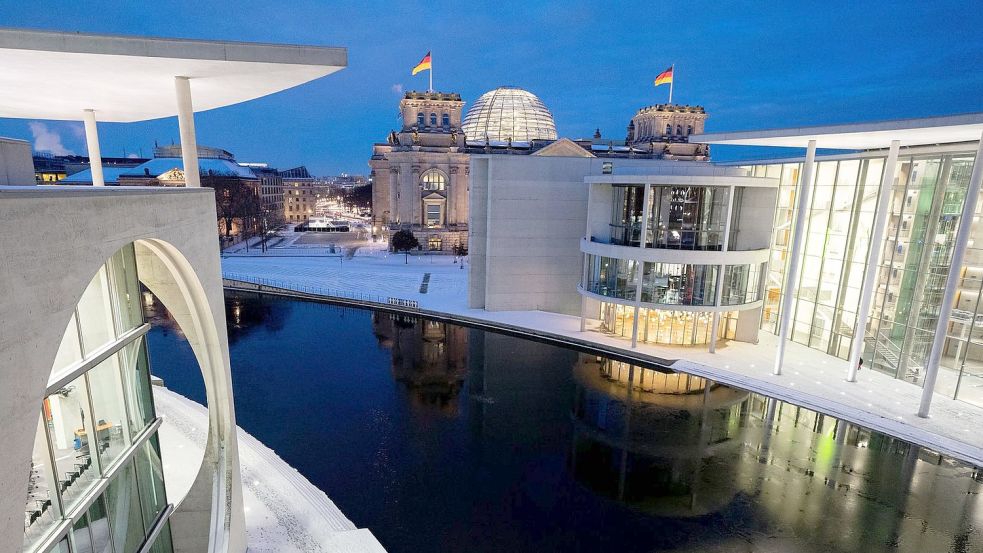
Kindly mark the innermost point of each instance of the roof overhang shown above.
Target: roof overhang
(860, 136)
(57, 75)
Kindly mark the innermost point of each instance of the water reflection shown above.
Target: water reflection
(429, 357)
(445, 438)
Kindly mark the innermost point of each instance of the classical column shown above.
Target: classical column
(952, 282)
(186, 124)
(640, 264)
(873, 258)
(393, 199)
(802, 202)
(451, 194)
(719, 297)
(92, 143)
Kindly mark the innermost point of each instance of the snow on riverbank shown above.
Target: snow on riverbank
(284, 511)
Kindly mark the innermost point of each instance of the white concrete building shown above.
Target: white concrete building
(80, 467)
(530, 234)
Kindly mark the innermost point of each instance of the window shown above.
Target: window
(419, 119)
(433, 215)
(433, 119)
(679, 129)
(668, 130)
(689, 130)
(434, 242)
(433, 179)
(445, 120)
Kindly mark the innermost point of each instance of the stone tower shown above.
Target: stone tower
(420, 174)
(666, 128)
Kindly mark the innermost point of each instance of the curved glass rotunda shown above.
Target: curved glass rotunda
(509, 114)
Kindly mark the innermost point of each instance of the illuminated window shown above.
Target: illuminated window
(434, 242)
(433, 179)
(433, 215)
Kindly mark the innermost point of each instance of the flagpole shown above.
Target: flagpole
(431, 70)
(672, 80)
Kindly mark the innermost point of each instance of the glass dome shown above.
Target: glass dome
(509, 112)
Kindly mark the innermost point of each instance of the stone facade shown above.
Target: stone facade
(664, 129)
(420, 175)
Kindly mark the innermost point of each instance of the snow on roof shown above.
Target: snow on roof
(161, 165)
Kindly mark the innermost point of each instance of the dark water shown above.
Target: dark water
(444, 438)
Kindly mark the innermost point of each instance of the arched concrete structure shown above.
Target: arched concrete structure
(55, 240)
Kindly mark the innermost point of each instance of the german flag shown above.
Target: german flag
(664, 78)
(423, 65)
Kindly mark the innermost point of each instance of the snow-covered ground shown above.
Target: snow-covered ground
(284, 511)
(811, 378)
(377, 277)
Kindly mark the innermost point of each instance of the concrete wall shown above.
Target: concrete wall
(535, 211)
(755, 217)
(16, 164)
(43, 272)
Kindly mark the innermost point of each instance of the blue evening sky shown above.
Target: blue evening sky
(752, 65)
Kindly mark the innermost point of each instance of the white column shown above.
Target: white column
(873, 259)
(802, 202)
(639, 264)
(714, 330)
(92, 143)
(952, 281)
(186, 124)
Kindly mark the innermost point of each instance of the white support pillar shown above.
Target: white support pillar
(186, 124)
(585, 272)
(92, 143)
(639, 265)
(873, 259)
(952, 282)
(719, 297)
(802, 202)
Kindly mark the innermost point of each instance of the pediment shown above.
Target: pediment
(563, 147)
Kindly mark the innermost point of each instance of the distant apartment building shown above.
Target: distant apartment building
(301, 193)
(271, 194)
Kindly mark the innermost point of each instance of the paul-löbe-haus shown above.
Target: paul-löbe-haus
(881, 250)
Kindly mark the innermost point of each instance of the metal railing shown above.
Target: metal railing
(259, 283)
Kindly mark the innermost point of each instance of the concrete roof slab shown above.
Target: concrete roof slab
(56, 75)
(860, 136)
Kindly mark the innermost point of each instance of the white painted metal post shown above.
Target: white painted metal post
(719, 297)
(186, 124)
(873, 258)
(639, 265)
(802, 202)
(92, 143)
(952, 282)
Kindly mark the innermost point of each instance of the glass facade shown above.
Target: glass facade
(924, 208)
(666, 327)
(682, 217)
(508, 114)
(671, 283)
(92, 453)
